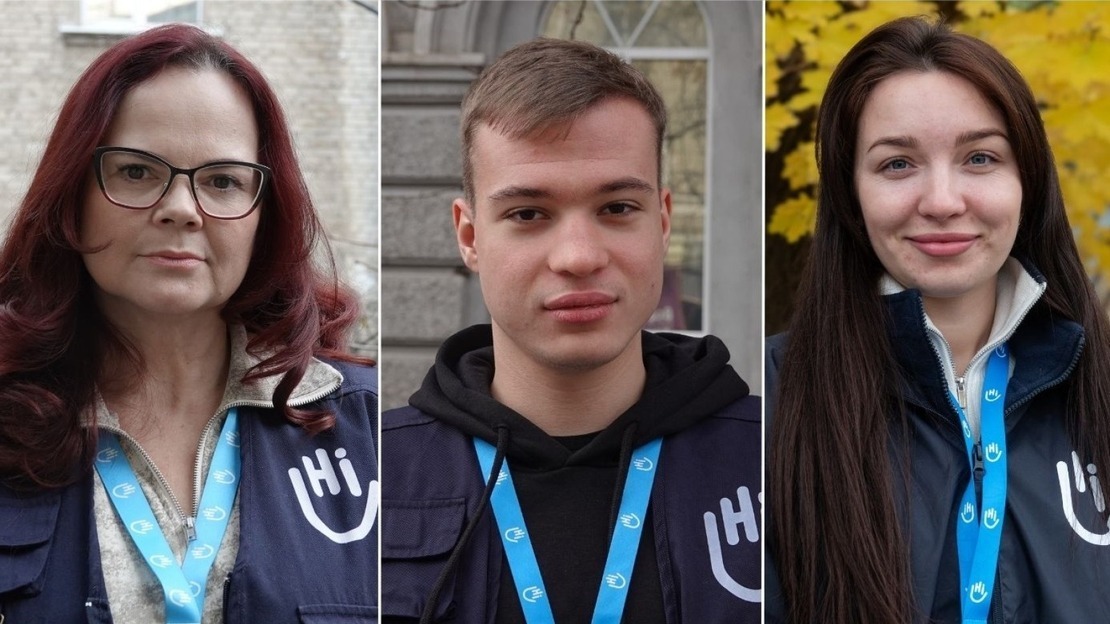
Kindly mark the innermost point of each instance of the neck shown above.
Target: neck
(965, 322)
(567, 402)
(181, 374)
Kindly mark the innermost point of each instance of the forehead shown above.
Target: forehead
(614, 138)
(930, 103)
(188, 115)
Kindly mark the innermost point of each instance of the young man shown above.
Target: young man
(560, 464)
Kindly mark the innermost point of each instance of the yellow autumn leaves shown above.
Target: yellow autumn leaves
(1062, 49)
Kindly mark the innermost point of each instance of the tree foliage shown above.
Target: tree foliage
(1062, 49)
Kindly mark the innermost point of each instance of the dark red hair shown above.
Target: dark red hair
(52, 336)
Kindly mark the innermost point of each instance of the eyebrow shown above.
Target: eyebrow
(529, 192)
(962, 139)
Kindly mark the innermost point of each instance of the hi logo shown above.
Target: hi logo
(515, 534)
(978, 592)
(531, 594)
(324, 474)
(630, 521)
(161, 561)
(106, 456)
(967, 514)
(180, 597)
(204, 551)
(967, 430)
(643, 464)
(990, 518)
(124, 490)
(142, 527)
(501, 476)
(992, 395)
(616, 580)
(1082, 480)
(743, 514)
(993, 452)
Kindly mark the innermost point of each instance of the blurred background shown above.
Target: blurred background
(705, 59)
(1062, 49)
(320, 56)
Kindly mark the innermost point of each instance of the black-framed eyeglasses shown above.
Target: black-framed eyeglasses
(224, 189)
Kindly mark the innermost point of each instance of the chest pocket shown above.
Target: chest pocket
(27, 525)
(336, 614)
(417, 539)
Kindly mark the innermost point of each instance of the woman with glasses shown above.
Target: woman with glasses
(940, 414)
(183, 437)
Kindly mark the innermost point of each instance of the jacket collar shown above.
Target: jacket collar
(1043, 345)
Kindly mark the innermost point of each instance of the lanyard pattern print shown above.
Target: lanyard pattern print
(625, 542)
(183, 585)
(979, 527)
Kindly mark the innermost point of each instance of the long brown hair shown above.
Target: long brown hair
(52, 335)
(841, 554)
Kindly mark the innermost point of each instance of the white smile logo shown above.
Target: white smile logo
(967, 430)
(194, 587)
(323, 474)
(107, 455)
(642, 464)
(1085, 481)
(123, 490)
(1000, 351)
(501, 476)
(993, 452)
(180, 597)
(161, 561)
(978, 592)
(232, 438)
(968, 513)
(214, 513)
(615, 581)
(992, 395)
(531, 594)
(515, 534)
(225, 477)
(142, 527)
(990, 518)
(204, 551)
(630, 521)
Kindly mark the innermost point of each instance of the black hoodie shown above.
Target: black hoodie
(570, 488)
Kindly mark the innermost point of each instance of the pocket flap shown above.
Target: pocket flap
(27, 524)
(337, 614)
(418, 529)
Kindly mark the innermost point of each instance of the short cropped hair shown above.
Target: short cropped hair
(547, 82)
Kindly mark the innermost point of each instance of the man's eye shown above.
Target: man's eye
(525, 214)
(618, 208)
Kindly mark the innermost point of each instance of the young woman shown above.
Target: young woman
(939, 416)
(165, 404)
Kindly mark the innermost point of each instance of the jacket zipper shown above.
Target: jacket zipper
(227, 592)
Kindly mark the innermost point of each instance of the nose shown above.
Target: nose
(579, 247)
(178, 206)
(942, 196)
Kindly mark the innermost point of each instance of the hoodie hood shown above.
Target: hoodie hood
(688, 379)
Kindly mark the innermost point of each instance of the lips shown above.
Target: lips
(173, 258)
(942, 245)
(580, 307)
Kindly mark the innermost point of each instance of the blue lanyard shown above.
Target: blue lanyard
(617, 576)
(979, 529)
(183, 586)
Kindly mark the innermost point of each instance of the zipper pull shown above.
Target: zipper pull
(961, 392)
(977, 455)
(190, 528)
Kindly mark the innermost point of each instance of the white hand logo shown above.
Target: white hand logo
(732, 519)
(501, 476)
(615, 581)
(642, 464)
(161, 561)
(532, 594)
(968, 513)
(990, 518)
(204, 551)
(123, 490)
(630, 521)
(967, 430)
(142, 527)
(326, 473)
(515, 534)
(1098, 539)
(214, 513)
(224, 476)
(180, 597)
(993, 452)
(978, 592)
(107, 455)
(992, 395)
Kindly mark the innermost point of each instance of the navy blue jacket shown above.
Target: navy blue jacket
(288, 568)
(705, 507)
(1054, 561)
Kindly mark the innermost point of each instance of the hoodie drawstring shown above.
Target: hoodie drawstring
(456, 553)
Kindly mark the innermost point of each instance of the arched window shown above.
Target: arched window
(667, 40)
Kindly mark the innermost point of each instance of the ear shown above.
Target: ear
(464, 233)
(665, 215)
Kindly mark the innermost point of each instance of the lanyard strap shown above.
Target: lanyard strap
(617, 575)
(182, 585)
(979, 528)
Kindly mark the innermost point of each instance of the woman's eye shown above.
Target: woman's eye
(980, 159)
(898, 164)
(134, 172)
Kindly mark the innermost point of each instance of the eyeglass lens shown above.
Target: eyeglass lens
(137, 181)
